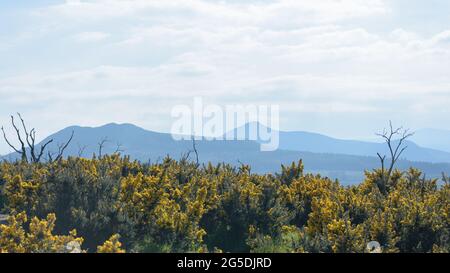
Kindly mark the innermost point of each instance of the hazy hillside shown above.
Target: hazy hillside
(152, 146)
(433, 138)
(317, 143)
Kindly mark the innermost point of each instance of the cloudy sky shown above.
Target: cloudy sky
(340, 67)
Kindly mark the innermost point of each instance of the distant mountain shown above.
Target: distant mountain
(146, 145)
(317, 143)
(433, 138)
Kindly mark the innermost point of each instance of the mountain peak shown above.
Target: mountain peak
(120, 125)
(111, 125)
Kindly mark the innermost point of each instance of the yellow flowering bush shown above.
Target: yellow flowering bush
(113, 245)
(35, 236)
(179, 206)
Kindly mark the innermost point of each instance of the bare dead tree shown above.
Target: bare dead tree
(22, 150)
(50, 156)
(101, 146)
(186, 156)
(194, 149)
(395, 140)
(81, 149)
(62, 147)
(119, 148)
(36, 154)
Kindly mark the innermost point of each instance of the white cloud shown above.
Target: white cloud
(143, 57)
(266, 13)
(442, 38)
(91, 36)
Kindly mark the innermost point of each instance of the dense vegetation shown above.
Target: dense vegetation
(113, 204)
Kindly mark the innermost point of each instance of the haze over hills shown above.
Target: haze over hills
(320, 154)
(304, 141)
(433, 138)
(318, 143)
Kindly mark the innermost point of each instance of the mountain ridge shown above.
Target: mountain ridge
(319, 143)
(145, 145)
(433, 138)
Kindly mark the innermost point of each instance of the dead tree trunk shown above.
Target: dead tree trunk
(28, 143)
(395, 149)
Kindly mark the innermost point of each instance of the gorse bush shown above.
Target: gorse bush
(113, 204)
(14, 237)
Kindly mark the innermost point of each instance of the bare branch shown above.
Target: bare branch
(194, 147)
(9, 143)
(101, 145)
(395, 150)
(186, 156)
(19, 137)
(119, 148)
(63, 147)
(30, 139)
(400, 153)
(41, 152)
(27, 137)
(22, 151)
(382, 159)
(81, 150)
(50, 156)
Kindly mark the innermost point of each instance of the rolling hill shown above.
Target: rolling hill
(319, 154)
(318, 143)
(433, 138)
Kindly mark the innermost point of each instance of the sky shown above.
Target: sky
(338, 67)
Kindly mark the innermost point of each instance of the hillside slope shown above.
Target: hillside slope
(152, 146)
